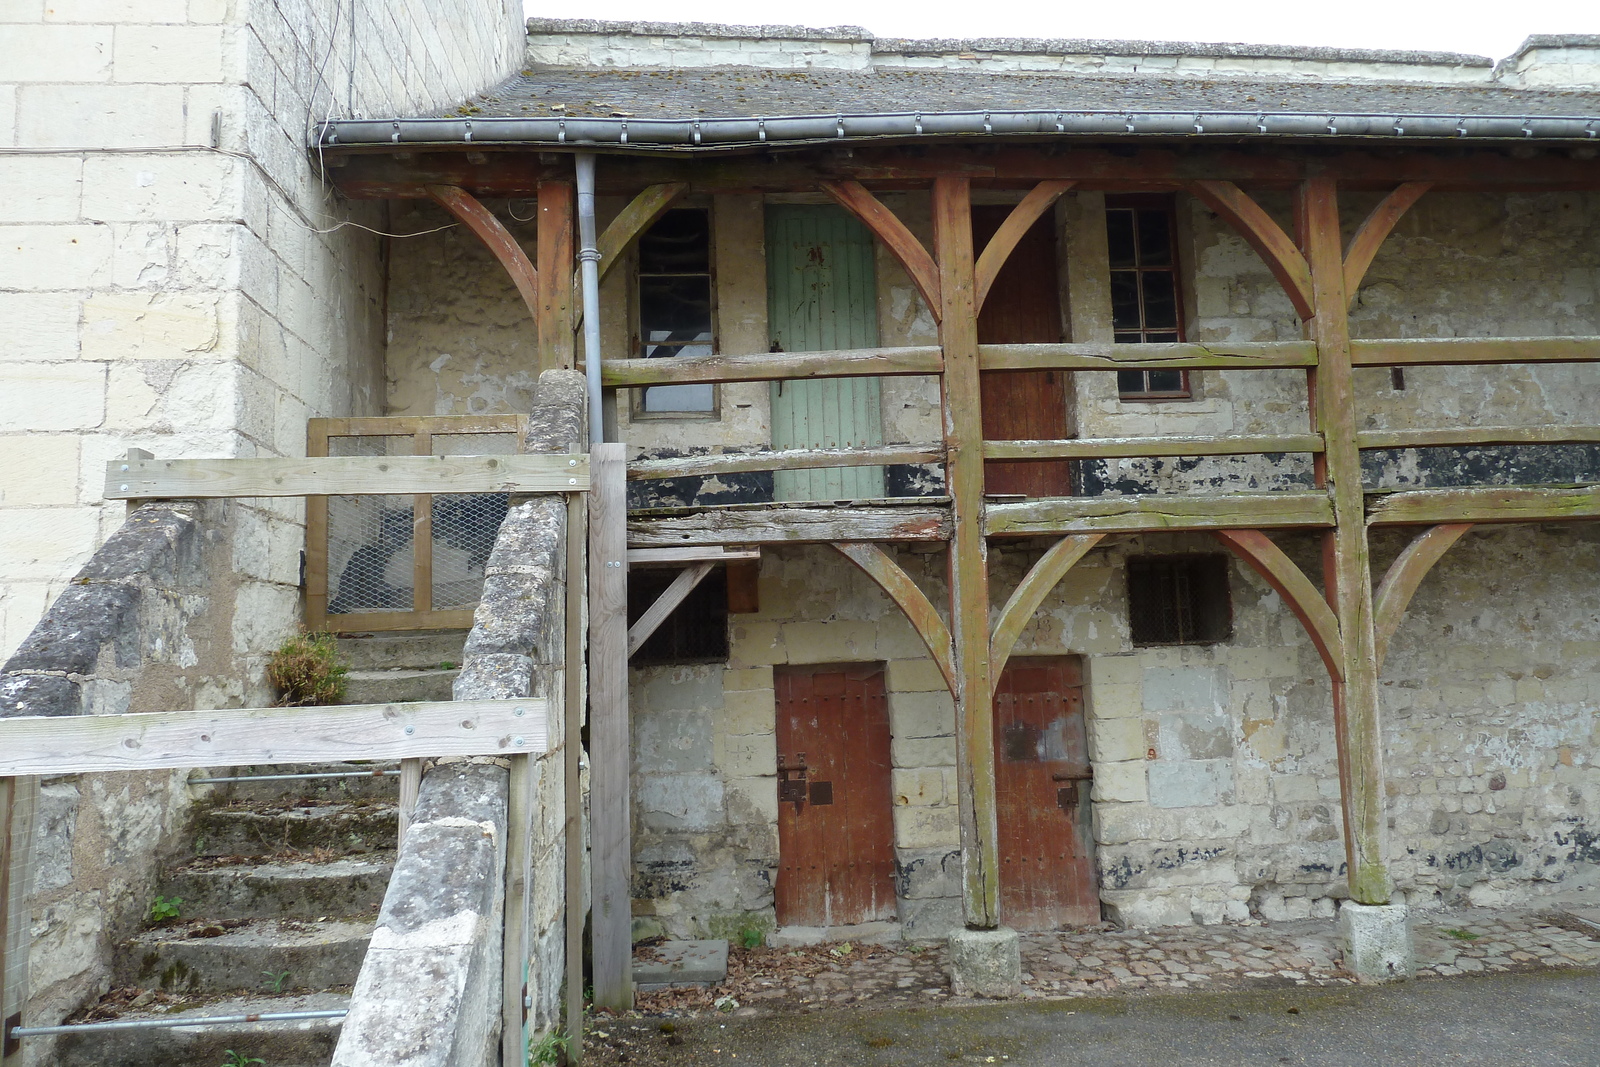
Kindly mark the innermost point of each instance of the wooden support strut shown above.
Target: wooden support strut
(1403, 577)
(1030, 593)
(900, 241)
(557, 345)
(1283, 259)
(1039, 200)
(670, 598)
(1374, 230)
(642, 212)
(919, 610)
(471, 213)
(1268, 560)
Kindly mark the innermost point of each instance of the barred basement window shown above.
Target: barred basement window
(1179, 600)
(697, 629)
(1146, 303)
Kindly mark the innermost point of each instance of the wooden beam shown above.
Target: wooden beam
(523, 816)
(640, 214)
(1282, 258)
(789, 459)
(18, 812)
(919, 610)
(670, 598)
(1374, 230)
(557, 344)
(575, 695)
(774, 366)
(1246, 355)
(410, 789)
(1512, 503)
(1030, 593)
(1159, 511)
(1478, 435)
(1303, 598)
(610, 740)
(1173, 445)
(1454, 351)
(1040, 198)
(968, 563)
(1405, 574)
(238, 737)
(888, 228)
(345, 475)
(677, 557)
(771, 526)
(467, 210)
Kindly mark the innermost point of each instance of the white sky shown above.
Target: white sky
(1475, 26)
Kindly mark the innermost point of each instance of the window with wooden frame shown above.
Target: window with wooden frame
(675, 309)
(697, 629)
(1179, 600)
(1146, 299)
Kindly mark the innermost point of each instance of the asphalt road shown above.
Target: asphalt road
(1542, 1019)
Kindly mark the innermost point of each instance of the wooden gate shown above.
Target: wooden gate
(1042, 772)
(835, 825)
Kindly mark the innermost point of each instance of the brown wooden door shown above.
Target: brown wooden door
(1047, 876)
(1023, 307)
(835, 827)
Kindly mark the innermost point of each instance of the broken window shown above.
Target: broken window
(1179, 600)
(697, 629)
(675, 307)
(1146, 303)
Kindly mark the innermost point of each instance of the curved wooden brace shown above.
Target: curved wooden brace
(1004, 242)
(1291, 583)
(912, 600)
(1264, 235)
(1374, 230)
(887, 227)
(1405, 574)
(642, 211)
(468, 211)
(1030, 593)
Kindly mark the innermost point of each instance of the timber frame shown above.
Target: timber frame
(1319, 269)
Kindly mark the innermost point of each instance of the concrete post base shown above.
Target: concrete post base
(1377, 941)
(986, 963)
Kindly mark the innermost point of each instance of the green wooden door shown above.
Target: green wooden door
(822, 295)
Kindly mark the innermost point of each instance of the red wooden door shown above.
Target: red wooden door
(1047, 876)
(835, 827)
(1023, 307)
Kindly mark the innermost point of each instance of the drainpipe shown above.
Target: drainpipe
(589, 265)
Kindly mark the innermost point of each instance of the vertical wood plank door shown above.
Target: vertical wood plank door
(822, 294)
(835, 825)
(1047, 875)
(1023, 307)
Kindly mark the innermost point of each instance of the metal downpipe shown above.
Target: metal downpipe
(589, 267)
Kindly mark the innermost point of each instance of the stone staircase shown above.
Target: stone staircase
(278, 897)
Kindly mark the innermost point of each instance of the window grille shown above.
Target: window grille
(1179, 600)
(697, 629)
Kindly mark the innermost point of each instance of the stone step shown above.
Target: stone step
(423, 650)
(300, 890)
(204, 957)
(398, 686)
(307, 1043)
(358, 781)
(264, 829)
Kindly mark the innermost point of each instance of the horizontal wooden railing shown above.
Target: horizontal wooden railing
(183, 479)
(1251, 355)
(1159, 511)
(1479, 435)
(790, 459)
(1467, 350)
(1173, 445)
(773, 366)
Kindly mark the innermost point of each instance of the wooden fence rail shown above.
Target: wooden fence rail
(132, 479)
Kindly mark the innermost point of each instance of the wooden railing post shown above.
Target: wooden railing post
(17, 802)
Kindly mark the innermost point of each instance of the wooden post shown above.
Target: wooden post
(969, 576)
(571, 752)
(1346, 569)
(611, 857)
(18, 798)
(410, 787)
(520, 822)
(557, 345)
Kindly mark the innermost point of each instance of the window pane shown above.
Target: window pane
(675, 309)
(680, 398)
(1125, 300)
(1130, 381)
(679, 243)
(1160, 300)
(1162, 338)
(1166, 381)
(1155, 239)
(1119, 235)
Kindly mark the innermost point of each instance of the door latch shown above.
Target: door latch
(1068, 797)
(792, 779)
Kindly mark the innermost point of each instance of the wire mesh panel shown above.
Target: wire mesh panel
(465, 524)
(370, 566)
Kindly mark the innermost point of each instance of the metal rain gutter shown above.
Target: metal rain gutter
(800, 129)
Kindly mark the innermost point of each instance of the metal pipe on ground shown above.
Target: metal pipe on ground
(167, 1024)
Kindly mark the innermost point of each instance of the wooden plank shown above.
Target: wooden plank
(919, 610)
(640, 214)
(1246, 355)
(1159, 511)
(237, 737)
(410, 788)
(345, 475)
(522, 816)
(611, 862)
(1172, 445)
(1478, 435)
(557, 345)
(575, 694)
(1264, 235)
(405, 425)
(1405, 574)
(788, 459)
(316, 536)
(888, 228)
(677, 557)
(1455, 351)
(1303, 598)
(1374, 230)
(1030, 593)
(670, 598)
(18, 811)
(1040, 198)
(770, 526)
(465, 209)
(422, 535)
(773, 366)
(453, 619)
(1515, 503)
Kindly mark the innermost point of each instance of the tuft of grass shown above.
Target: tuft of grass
(274, 980)
(306, 670)
(550, 1051)
(1462, 935)
(239, 1059)
(751, 937)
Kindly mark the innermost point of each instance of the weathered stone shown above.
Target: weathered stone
(681, 963)
(985, 963)
(1377, 941)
